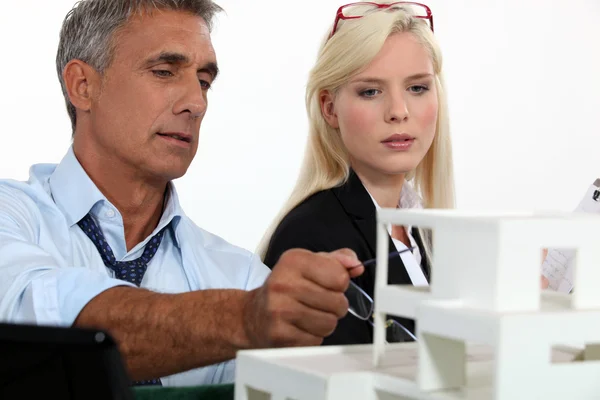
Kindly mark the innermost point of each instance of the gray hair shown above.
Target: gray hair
(89, 28)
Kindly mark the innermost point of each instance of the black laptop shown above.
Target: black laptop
(61, 363)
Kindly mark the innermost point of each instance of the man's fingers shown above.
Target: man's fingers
(314, 322)
(321, 268)
(349, 260)
(305, 296)
(334, 270)
(287, 334)
(315, 297)
(329, 270)
(293, 324)
(327, 273)
(356, 271)
(346, 257)
(308, 293)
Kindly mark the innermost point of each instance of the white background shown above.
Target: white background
(524, 92)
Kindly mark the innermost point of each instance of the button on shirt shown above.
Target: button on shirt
(49, 268)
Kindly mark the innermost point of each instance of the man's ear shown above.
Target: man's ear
(82, 83)
(327, 108)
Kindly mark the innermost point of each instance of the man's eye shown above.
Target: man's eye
(205, 84)
(162, 73)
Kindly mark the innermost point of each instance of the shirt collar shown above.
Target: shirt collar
(409, 198)
(72, 189)
(75, 193)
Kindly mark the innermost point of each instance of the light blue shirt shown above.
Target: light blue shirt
(49, 268)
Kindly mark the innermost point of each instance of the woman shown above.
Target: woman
(378, 137)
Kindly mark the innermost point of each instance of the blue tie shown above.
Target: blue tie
(130, 271)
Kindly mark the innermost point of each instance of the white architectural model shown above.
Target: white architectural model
(485, 328)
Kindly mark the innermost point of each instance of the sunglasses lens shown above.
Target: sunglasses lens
(359, 303)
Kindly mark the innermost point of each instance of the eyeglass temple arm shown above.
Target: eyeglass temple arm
(392, 254)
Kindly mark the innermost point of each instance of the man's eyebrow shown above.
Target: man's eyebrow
(169, 58)
(210, 68)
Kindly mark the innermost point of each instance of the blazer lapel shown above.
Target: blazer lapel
(425, 265)
(357, 203)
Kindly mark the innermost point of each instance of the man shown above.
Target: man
(100, 239)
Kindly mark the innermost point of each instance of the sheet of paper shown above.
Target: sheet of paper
(559, 263)
(556, 265)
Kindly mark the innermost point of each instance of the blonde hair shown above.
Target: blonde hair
(326, 161)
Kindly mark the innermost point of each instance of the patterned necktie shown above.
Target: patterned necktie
(130, 271)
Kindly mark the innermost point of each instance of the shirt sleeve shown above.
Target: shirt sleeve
(258, 273)
(33, 287)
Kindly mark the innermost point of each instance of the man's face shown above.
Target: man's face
(153, 95)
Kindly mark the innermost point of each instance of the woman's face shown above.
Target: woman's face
(387, 114)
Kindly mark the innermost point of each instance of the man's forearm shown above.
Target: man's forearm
(163, 334)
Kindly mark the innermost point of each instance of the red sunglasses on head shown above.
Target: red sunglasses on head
(420, 11)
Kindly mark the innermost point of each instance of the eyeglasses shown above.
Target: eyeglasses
(359, 10)
(360, 304)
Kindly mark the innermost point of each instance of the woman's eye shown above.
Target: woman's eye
(418, 89)
(369, 93)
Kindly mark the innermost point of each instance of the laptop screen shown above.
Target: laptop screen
(65, 363)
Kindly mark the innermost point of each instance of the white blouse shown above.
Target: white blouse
(409, 198)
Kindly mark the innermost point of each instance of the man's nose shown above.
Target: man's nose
(192, 100)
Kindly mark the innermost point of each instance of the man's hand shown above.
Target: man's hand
(302, 300)
(298, 305)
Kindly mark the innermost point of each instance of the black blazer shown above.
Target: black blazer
(342, 217)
